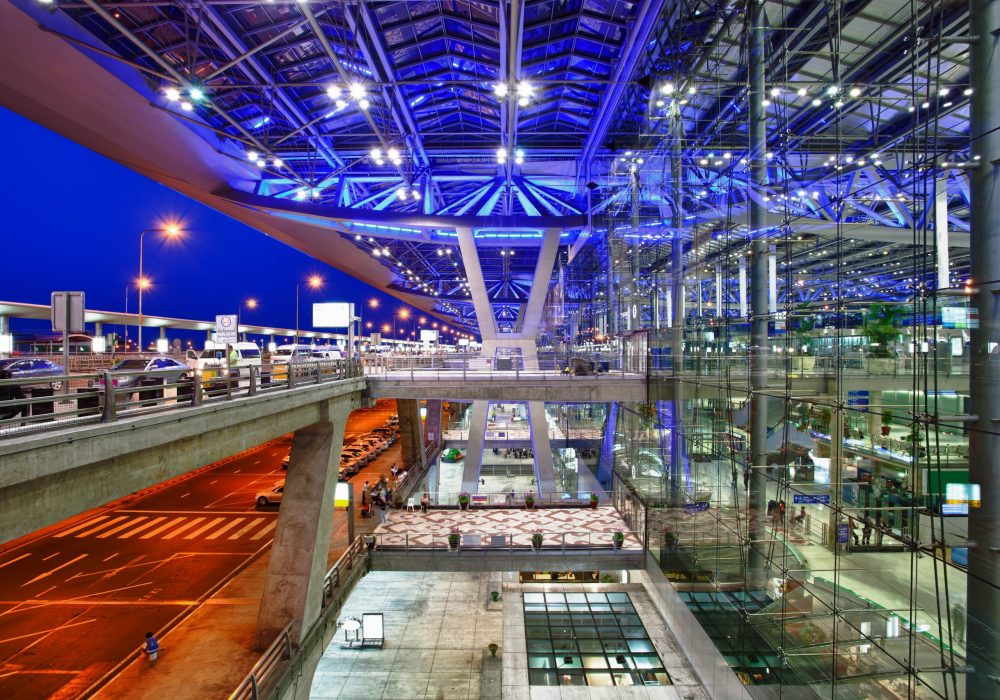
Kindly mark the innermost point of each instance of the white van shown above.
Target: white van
(331, 352)
(291, 353)
(213, 358)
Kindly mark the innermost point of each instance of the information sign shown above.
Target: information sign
(225, 329)
(801, 498)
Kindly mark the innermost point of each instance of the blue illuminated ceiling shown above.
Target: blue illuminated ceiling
(400, 108)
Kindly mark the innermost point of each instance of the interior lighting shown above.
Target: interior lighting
(801, 92)
(817, 102)
(775, 91)
(519, 156)
(838, 104)
(187, 106)
(300, 195)
(667, 88)
(196, 93)
(358, 91)
(278, 163)
(363, 104)
(334, 92)
(252, 156)
(172, 94)
(692, 90)
(967, 91)
(833, 90)
(500, 90)
(501, 155)
(855, 92)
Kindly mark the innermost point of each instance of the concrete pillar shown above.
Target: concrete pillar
(163, 331)
(758, 303)
(293, 591)
(475, 444)
(4, 325)
(433, 423)
(410, 434)
(477, 285)
(545, 473)
(983, 637)
(677, 313)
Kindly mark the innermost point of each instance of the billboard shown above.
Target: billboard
(225, 329)
(428, 336)
(332, 315)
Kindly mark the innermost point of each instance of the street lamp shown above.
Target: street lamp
(314, 282)
(170, 231)
(251, 305)
(403, 314)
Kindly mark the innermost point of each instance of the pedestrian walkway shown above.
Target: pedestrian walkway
(252, 527)
(572, 527)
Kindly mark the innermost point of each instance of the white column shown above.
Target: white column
(743, 288)
(719, 296)
(941, 231)
(474, 446)
(545, 473)
(477, 285)
(772, 284)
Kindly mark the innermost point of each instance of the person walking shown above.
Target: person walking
(364, 493)
(383, 511)
(151, 647)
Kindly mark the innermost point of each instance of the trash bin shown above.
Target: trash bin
(150, 389)
(42, 408)
(88, 401)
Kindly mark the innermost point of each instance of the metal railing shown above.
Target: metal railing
(54, 402)
(587, 541)
(443, 499)
(806, 365)
(272, 674)
(549, 366)
(272, 658)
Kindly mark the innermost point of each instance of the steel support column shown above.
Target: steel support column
(474, 445)
(541, 447)
(758, 303)
(677, 314)
(983, 640)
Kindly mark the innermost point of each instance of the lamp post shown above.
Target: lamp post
(251, 305)
(403, 314)
(314, 282)
(170, 231)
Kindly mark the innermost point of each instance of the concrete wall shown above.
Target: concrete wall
(553, 388)
(46, 478)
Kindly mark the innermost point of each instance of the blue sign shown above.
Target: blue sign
(802, 498)
(859, 399)
(843, 533)
(696, 507)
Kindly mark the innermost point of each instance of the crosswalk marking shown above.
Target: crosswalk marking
(88, 523)
(245, 529)
(187, 526)
(203, 528)
(124, 526)
(103, 525)
(225, 528)
(270, 526)
(145, 526)
(166, 526)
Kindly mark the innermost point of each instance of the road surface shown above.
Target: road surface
(77, 598)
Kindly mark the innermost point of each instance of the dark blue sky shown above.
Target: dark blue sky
(72, 218)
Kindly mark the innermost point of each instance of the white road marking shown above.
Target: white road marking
(54, 629)
(212, 482)
(270, 526)
(166, 526)
(103, 525)
(144, 526)
(237, 471)
(225, 528)
(8, 563)
(186, 495)
(201, 530)
(50, 556)
(257, 462)
(90, 522)
(173, 533)
(246, 528)
(125, 526)
(112, 556)
(49, 573)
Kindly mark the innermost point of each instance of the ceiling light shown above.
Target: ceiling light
(278, 163)
(358, 91)
(817, 102)
(801, 92)
(855, 92)
(363, 104)
(172, 94)
(832, 90)
(524, 89)
(667, 88)
(196, 93)
(340, 104)
(252, 156)
(334, 92)
(523, 101)
(501, 155)
(187, 106)
(500, 90)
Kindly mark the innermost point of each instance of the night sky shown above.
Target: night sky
(72, 220)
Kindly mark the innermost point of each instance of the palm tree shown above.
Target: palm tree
(880, 325)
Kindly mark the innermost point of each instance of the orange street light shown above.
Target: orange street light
(314, 282)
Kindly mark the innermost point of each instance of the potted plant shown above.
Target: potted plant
(536, 540)
(495, 596)
(529, 500)
(463, 501)
(397, 501)
(454, 537)
(594, 498)
(494, 648)
(886, 423)
(915, 438)
(618, 539)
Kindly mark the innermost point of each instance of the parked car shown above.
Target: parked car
(271, 496)
(212, 360)
(166, 368)
(25, 368)
(327, 353)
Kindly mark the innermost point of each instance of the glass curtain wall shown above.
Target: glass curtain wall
(801, 470)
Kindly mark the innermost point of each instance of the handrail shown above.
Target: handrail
(587, 541)
(338, 583)
(279, 650)
(29, 405)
